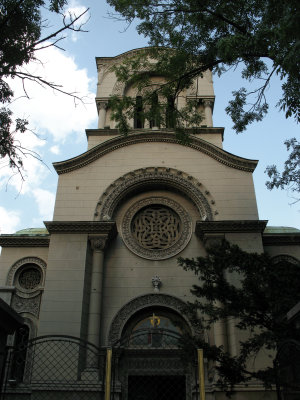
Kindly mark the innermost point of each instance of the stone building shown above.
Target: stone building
(104, 271)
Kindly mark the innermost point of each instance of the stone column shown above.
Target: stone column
(102, 105)
(98, 245)
(208, 104)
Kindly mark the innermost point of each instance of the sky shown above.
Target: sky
(59, 123)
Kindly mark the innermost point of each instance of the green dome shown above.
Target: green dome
(32, 231)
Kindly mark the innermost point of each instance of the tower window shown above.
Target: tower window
(138, 116)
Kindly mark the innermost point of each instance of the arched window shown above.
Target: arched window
(154, 111)
(20, 353)
(170, 113)
(155, 328)
(138, 115)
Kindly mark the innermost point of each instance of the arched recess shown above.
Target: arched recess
(28, 277)
(147, 301)
(154, 178)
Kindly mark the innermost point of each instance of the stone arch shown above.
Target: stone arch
(154, 178)
(27, 301)
(146, 301)
(286, 258)
(23, 261)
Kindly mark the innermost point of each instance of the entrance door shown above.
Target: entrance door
(161, 387)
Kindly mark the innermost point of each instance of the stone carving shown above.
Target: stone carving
(154, 240)
(154, 177)
(99, 243)
(21, 241)
(118, 89)
(148, 300)
(146, 136)
(23, 261)
(27, 305)
(156, 282)
(30, 278)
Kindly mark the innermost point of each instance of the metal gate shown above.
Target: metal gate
(149, 365)
(288, 369)
(54, 368)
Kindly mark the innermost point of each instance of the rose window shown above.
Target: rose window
(156, 228)
(30, 278)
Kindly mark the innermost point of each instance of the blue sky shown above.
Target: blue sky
(60, 124)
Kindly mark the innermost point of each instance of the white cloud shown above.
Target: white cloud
(51, 112)
(55, 149)
(9, 220)
(52, 115)
(45, 202)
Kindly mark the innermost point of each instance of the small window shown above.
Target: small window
(138, 116)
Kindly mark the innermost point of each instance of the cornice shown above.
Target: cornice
(229, 226)
(118, 142)
(281, 239)
(91, 227)
(202, 130)
(24, 241)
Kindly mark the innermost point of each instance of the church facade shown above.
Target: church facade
(104, 272)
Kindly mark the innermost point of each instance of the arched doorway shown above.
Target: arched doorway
(148, 362)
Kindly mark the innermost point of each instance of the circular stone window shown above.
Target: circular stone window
(156, 228)
(30, 277)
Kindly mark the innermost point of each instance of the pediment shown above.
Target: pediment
(118, 142)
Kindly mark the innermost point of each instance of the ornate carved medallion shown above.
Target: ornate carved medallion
(156, 228)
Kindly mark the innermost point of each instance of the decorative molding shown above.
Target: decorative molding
(19, 264)
(24, 241)
(145, 301)
(153, 177)
(113, 144)
(27, 305)
(279, 239)
(156, 282)
(229, 226)
(98, 243)
(101, 227)
(157, 254)
(286, 258)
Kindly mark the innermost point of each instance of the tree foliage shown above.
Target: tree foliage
(21, 26)
(261, 35)
(156, 100)
(290, 177)
(255, 292)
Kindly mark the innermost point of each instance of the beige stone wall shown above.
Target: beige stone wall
(213, 138)
(10, 255)
(231, 189)
(293, 250)
(63, 300)
(128, 276)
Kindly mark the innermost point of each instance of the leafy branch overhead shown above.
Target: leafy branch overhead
(249, 291)
(262, 36)
(21, 27)
(158, 88)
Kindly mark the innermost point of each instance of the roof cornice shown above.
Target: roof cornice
(113, 144)
(229, 226)
(90, 227)
(24, 241)
(281, 239)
